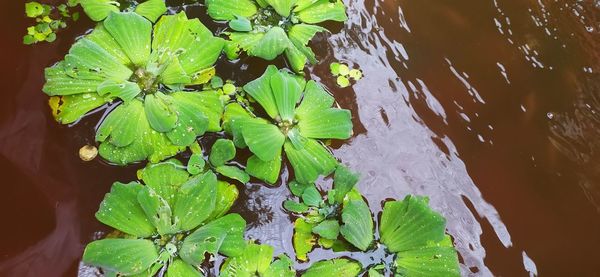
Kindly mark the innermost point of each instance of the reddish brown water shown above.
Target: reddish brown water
(490, 107)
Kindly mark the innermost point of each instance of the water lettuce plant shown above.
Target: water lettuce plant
(144, 71)
(167, 225)
(98, 10)
(410, 230)
(222, 152)
(300, 113)
(269, 28)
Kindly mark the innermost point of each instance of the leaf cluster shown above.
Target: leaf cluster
(344, 74)
(49, 20)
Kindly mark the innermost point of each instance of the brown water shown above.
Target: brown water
(490, 107)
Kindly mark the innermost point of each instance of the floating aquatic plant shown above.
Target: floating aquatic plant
(409, 229)
(98, 10)
(269, 28)
(295, 127)
(168, 224)
(49, 20)
(257, 260)
(344, 74)
(334, 267)
(145, 71)
(222, 152)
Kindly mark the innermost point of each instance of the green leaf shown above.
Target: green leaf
(196, 200)
(315, 99)
(344, 70)
(325, 124)
(179, 268)
(310, 162)
(124, 90)
(229, 9)
(120, 210)
(294, 206)
(105, 40)
(343, 81)
(241, 24)
(151, 9)
(358, 224)
(303, 239)
(323, 10)
(344, 181)
(221, 152)
(88, 60)
(196, 164)
(334, 267)
(263, 139)
(282, 7)
(127, 137)
(33, 9)
(70, 108)
(266, 171)
(133, 33)
(233, 173)
(335, 68)
(287, 93)
(329, 229)
(159, 112)
(233, 118)
(355, 74)
(195, 116)
(157, 210)
(296, 188)
(59, 83)
(436, 259)
(223, 235)
(296, 59)
(125, 256)
(98, 10)
(165, 179)
(311, 196)
(410, 224)
(256, 261)
(226, 196)
(271, 45)
(260, 90)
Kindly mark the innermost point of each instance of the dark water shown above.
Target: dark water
(490, 107)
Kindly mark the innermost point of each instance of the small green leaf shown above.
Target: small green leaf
(179, 268)
(229, 89)
(226, 196)
(271, 45)
(311, 196)
(303, 239)
(157, 210)
(294, 206)
(335, 68)
(323, 10)
(151, 9)
(263, 139)
(98, 10)
(241, 24)
(221, 152)
(196, 200)
(329, 229)
(33, 9)
(124, 90)
(310, 162)
(296, 188)
(124, 256)
(343, 81)
(260, 90)
(229, 9)
(335, 267)
(343, 182)
(358, 224)
(196, 164)
(120, 210)
(355, 74)
(234, 173)
(266, 171)
(287, 93)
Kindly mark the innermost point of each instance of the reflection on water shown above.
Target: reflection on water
(489, 107)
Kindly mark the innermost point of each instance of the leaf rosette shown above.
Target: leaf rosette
(171, 223)
(269, 28)
(145, 70)
(300, 114)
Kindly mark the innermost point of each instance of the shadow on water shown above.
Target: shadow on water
(488, 107)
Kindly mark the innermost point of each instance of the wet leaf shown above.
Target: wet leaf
(343, 81)
(120, 210)
(157, 210)
(263, 139)
(151, 9)
(196, 164)
(229, 9)
(296, 188)
(303, 239)
(327, 123)
(329, 229)
(311, 196)
(310, 162)
(256, 261)
(165, 179)
(227, 194)
(196, 200)
(221, 152)
(335, 68)
(241, 24)
(344, 181)
(125, 256)
(358, 224)
(334, 267)
(294, 206)
(266, 171)
(33, 9)
(260, 90)
(287, 93)
(179, 268)
(98, 10)
(234, 173)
